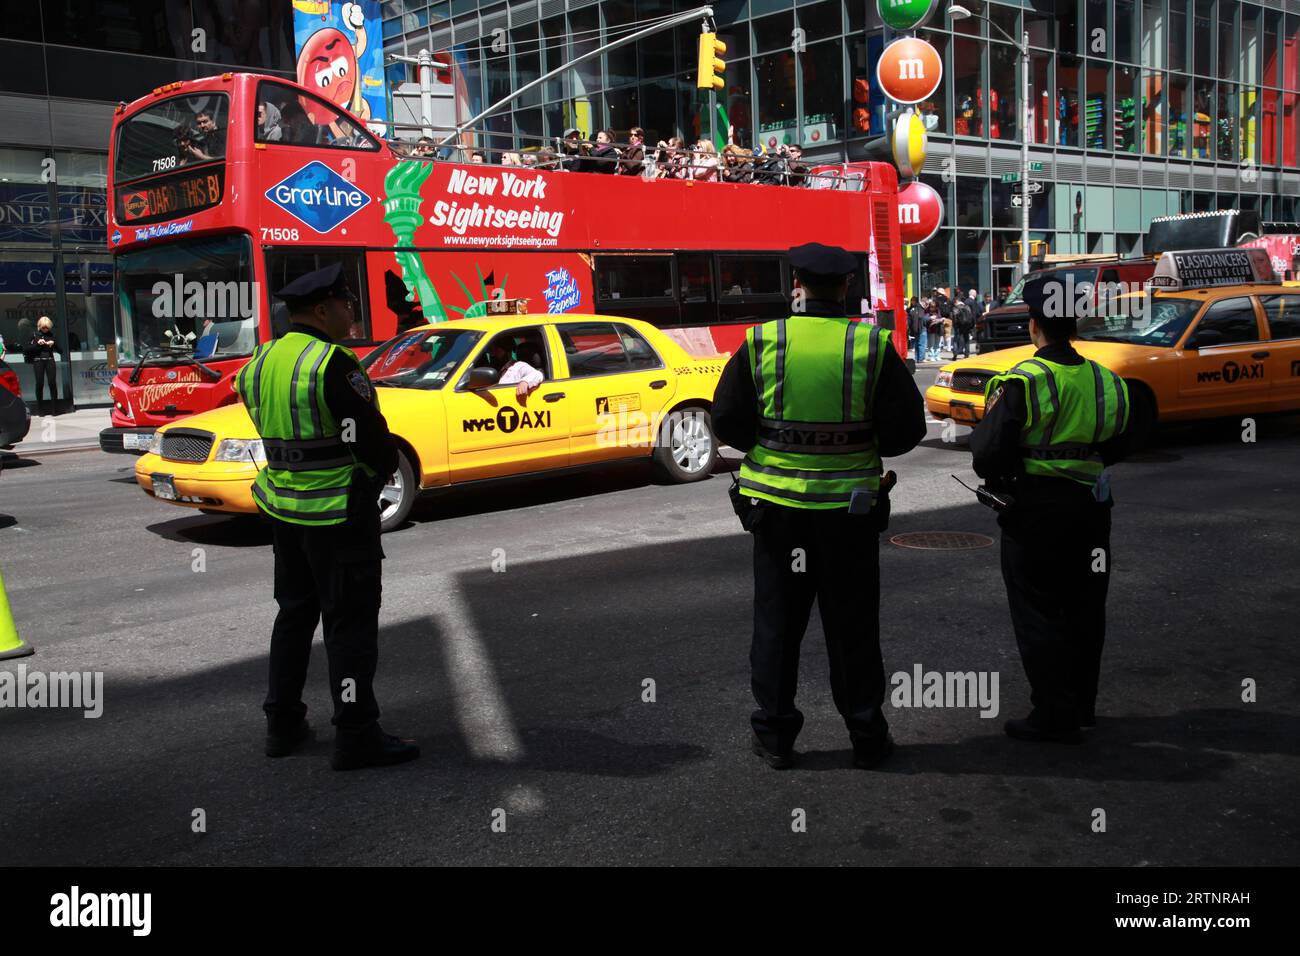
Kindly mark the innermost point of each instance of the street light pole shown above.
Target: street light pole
(1024, 154)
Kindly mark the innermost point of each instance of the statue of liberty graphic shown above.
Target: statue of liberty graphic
(402, 204)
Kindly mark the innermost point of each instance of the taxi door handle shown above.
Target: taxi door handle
(553, 397)
(1259, 355)
(658, 383)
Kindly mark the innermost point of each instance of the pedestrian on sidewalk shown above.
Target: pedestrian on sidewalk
(934, 331)
(916, 328)
(39, 353)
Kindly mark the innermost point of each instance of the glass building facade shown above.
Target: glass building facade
(1138, 108)
(64, 65)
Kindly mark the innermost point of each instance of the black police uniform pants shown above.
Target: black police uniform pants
(332, 575)
(46, 372)
(842, 572)
(1058, 606)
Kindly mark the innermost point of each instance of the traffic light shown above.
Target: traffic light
(711, 48)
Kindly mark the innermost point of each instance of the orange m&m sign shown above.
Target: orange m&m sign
(909, 70)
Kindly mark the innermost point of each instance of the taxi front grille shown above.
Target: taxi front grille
(186, 444)
(971, 380)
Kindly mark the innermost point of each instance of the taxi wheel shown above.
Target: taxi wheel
(397, 496)
(686, 450)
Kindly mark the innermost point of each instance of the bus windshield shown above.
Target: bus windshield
(422, 359)
(187, 300)
(182, 131)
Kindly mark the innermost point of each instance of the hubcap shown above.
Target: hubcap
(692, 445)
(391, 496)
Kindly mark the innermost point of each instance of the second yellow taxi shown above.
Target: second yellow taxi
(612, 389)
(1215, 334)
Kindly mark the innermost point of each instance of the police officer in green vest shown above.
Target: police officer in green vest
(815, 401)
(328, 452)
(1051, 425)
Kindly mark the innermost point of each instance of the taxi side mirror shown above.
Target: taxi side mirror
(481, 377)
(1206, 338)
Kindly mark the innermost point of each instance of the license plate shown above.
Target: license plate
(137, 441)
(164, 486)
(962, 412)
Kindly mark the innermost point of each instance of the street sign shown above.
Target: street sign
(1018, 200)
(1011, 177)
(1033, 187)
(1035, 167)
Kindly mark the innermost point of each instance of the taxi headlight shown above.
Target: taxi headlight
(943, 380)
(155, 444)
(240, 449)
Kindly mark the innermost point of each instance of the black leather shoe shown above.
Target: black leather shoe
(281, 743)
(868, 758)
(384, 750)
(777, 760)
(1026, 730)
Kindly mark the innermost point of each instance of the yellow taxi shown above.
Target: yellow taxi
(1214, 333)
(612, 388)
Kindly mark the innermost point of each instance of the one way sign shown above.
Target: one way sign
(1018, 200)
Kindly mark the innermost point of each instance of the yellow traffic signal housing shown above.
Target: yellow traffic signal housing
(711, 48)
(1011, 251)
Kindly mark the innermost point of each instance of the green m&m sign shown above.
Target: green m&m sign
(906, 14)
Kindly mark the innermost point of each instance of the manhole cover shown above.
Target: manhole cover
(942, 540)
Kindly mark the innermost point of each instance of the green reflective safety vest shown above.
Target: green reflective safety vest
(816, 382)
(309, 467)
(1071, 408)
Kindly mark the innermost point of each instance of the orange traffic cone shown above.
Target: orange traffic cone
(11, 645)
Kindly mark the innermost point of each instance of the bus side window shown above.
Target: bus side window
(695, 288)
(285, 264)
(287, 116)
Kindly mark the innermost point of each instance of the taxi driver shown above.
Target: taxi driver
(523, 376)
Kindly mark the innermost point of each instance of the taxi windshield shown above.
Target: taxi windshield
(422, 359)
(1159, 322)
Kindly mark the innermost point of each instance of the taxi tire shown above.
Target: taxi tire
(666, 468)
(410, 491)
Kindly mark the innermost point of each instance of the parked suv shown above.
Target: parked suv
(1007, 326)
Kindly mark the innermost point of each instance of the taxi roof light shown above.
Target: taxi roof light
(1206, 268)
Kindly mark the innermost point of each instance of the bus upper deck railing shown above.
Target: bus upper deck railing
(667, 159)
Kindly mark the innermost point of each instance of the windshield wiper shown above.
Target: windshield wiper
(184, 359)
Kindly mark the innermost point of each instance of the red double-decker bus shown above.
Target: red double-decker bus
(224, 189)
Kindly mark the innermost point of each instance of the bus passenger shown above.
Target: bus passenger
(704, 164)
(268, 123)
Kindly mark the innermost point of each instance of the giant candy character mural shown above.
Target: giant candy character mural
(340, 57)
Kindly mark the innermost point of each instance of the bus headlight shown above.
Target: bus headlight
(241, 449)
(943, 380)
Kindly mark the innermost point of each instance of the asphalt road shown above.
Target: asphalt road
(525, 686)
